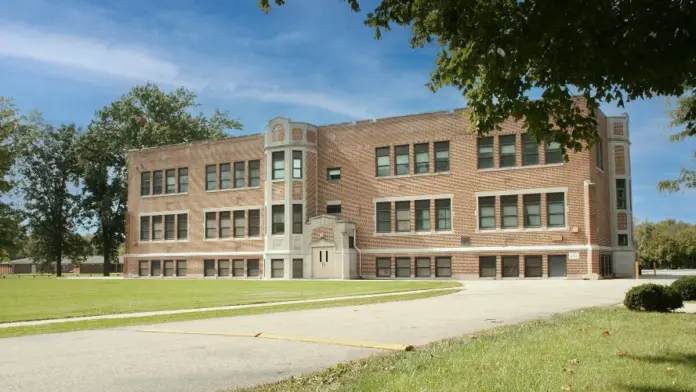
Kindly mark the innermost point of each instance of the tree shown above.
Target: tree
(145, 117)
(666, 244)
(500, 53)
(49, 170)
(684, 115)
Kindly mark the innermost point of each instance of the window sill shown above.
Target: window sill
(230, 239)
(495, 169)
(412, 233)
(162, 242)
(523, 230)
(164, 195)
(413, 175)
(233, 189)
(277, 180)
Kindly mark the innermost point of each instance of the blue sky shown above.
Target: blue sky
(310, 60)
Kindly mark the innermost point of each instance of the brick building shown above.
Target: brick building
(405, 197)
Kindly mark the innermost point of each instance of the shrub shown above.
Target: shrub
(653, 298)
(686, 286)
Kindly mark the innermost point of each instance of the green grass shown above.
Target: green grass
(70, 326)
(36, 299)
(656, 352)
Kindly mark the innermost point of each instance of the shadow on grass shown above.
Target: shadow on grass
(650, 388)
(668, 359)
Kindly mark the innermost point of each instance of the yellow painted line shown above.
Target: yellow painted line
(294, 338)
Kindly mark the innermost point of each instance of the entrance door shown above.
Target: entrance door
(323, 262)
(557, 266)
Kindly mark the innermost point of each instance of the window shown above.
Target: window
(599, 153)
(508, 158)
(237, 267)
(485, 152)
(532, 267)
(508, 204)
(620, 194)
(278, 219)
(487, 266)
(223, 268)
(422, 267)
(183, 180)
(383, 167)
(225, 224)
(254, 223)
(297, 267)
(443, 211)
(182, 226)
(144, 183)
(170, 175)
(181, 268)
(277, 266)
(144, 228)
(422, 154)
(333, 208)
(225, 179)
(511, 266)
(351, 242)
(532, 210)
(297, 219)
(278, 159)
(443, 267)
(422, 215)
(442, 157)
(553, 153)
(403, 215)
(168, 267)
(334, 174)
(239, 174)
(210, 181)
(255, 173)
(155, 268)
(401, 160)
(530, 151)
(623, 239)
(383, 267)
(403, 267)
(239, 224)
(253, 267)
(156, 227)
(210, 225)
(169, 232)
(143, 268)
(606, 266)
(486, 213)
(383, 217)
(297, 164)
(555, 206)
(208, 267)
(157, 182)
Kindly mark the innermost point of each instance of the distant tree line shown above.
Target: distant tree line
(666, 244)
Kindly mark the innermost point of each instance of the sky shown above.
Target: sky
(310, 60)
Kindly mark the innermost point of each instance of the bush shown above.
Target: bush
(653, 298)
(686, 286)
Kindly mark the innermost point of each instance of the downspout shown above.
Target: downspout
(355, 245)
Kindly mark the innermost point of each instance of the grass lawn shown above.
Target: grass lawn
(571, 352)
(111, 323)
(36, 299)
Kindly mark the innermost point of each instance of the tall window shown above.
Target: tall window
(239, 174)
(403, 215)
(182, 226)
(555, 206)
(486, 213)
(599, 152)
(237, 267)
(508, 205)
(620, 194)
(422, 155)
(422, 267)
(210, 180)
(255, 173)
(422, 215)
(532, 210)
(144, 183)
(442, 157)
(170, 174)
(277, 268)
(239, 224)
(181, 268)
(169, 232)
(223, 268)
(511, 266)
(553, 153)
(278, 159)
(297, 219)
(533, 267)
(157, 227)
(443, 267)
(253, 267)
(485, 152)
(183, 180)
(297, 164)
(530, 151)
(210, 225)
(144, 228)
(225, 176)
(383, 217)
(254, 223)
(157, 182)
(225, 224)
(208, 267)
(382, 160)
(401, 160)
(278, 219)
(508, 157)
(383, 267)
(443, 211)
(403, 267)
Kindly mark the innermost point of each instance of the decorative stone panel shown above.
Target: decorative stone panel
(621, 221)
(620, 159)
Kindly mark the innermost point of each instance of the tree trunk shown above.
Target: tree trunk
(107, 263)
(654, 268)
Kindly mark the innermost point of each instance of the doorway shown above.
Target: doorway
(557, 266)
(323, 262)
